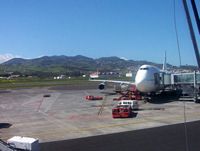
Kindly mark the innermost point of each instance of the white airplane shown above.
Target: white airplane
(148, 79)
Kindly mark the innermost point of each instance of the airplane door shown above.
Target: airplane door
(156, 78)
(162, 78)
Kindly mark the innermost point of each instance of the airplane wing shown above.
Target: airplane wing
(113, 81)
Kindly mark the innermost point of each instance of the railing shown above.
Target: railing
(5, 147)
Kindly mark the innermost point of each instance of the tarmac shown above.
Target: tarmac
(54, 114)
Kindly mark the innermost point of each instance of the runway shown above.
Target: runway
(165, 138)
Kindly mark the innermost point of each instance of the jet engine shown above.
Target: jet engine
(102, 86)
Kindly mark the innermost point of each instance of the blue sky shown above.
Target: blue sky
(133, 29)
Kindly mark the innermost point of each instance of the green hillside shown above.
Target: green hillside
(49, 66)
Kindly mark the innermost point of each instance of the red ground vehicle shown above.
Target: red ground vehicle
(91, 97)
(131, 94)
(121, 111)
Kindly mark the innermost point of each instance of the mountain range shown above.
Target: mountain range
(71, 65)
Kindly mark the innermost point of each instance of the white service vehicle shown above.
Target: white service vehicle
(24, 143)
(133, 103)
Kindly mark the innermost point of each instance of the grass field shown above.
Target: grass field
(37, 82)
(25, 83)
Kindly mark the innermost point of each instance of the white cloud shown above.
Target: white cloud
(6, 57)
(123, 58)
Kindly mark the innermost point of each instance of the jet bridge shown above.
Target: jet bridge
(186, 78)
(189, 83)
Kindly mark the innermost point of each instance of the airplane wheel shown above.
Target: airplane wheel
(196, 100)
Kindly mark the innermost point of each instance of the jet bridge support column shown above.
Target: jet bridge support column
(195, 88)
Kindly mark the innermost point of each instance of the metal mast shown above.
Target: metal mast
(196, 14)
(192, 32)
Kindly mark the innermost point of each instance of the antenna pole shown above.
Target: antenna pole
(196, 14)
(164, 63)
(192, 32)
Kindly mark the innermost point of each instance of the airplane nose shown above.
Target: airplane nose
(143, 84)
(140, 85)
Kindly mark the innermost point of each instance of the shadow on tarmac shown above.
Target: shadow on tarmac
(108, 93)
(164, 138)
(134, 114)
(151, 108)
(165, 97)
(4, 91)
(5, 125)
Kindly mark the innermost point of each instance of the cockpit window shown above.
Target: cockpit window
(144, 68)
